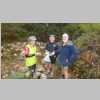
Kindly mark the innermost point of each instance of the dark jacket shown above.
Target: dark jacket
(67, 54)
(51, 47)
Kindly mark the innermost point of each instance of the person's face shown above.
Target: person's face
(33, 42)
(64, 39)
(52, 39)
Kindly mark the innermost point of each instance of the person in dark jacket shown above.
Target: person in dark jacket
(51, 47)
(67, 55)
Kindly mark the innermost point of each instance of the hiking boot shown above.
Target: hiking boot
(43, 76)
(50, 75)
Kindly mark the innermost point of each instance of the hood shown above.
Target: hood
(70, 43)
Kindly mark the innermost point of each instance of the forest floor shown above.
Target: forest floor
(12, 64)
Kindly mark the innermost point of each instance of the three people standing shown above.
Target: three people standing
(65, 54)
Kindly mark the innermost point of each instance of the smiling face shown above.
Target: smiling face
(52, 39)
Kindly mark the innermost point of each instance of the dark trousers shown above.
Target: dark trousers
(32, 69)
(53, 59)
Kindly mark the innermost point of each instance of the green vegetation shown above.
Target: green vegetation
(85, 36)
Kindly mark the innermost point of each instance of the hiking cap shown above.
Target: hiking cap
(32, 38)
(52, 35)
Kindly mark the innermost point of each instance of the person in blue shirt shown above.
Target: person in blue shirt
(67, 55)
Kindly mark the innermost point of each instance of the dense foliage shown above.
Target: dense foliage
(86, 37)
(20, 31)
